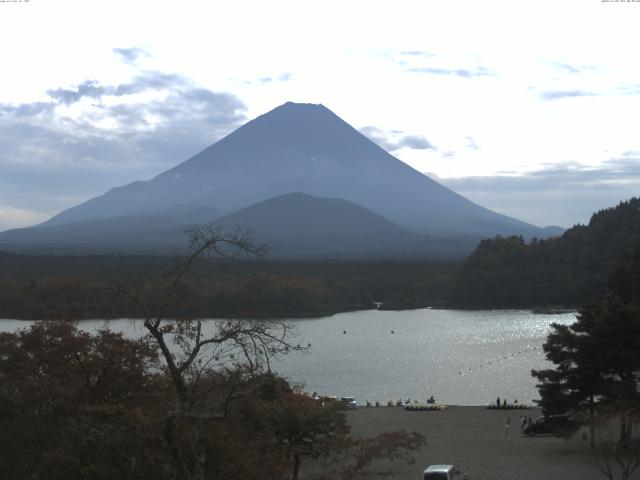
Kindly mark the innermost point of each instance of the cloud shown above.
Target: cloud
(415, 142)
(377, 136)
(148, 80)
(89, 88)
(283, 77)
(57, 153)
(421, 61)
(26, 109)
(181, 106)
(631, 89)
(611, 174)
(563, 194)
(130, 55)
(417, 53)
(559, 94)
(472, 144)
(459, 72)
(396, 140)
(574, 68)
(11, 217)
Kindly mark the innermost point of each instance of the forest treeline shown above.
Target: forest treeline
(569, 271)
(504, 272)
(45, 286)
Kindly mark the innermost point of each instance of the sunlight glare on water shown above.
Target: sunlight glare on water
(459, 357)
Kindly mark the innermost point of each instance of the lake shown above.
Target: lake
(459, 357)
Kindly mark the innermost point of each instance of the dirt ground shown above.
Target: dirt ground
(474, 440)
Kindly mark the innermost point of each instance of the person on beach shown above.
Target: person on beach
(507, 425)
(498, 402)
(523, 422)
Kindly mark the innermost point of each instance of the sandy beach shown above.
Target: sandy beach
(474, 439)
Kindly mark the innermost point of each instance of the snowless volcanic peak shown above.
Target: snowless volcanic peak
(302, 148)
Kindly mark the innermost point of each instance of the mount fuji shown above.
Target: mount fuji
(296, 148)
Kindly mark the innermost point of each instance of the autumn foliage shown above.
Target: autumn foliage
(75, 405)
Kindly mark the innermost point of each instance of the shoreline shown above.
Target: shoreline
(321, 315)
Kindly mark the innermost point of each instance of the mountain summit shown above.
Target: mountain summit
(302, 148)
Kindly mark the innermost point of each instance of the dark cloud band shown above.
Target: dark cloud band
(50, 160)
(561, 195)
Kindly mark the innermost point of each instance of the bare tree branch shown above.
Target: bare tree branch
(183, 341)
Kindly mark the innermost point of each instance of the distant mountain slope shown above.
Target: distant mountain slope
(300, 225)
(294, 225)
(324, 223)
(138, 234)
(570, 270)
(302, 148)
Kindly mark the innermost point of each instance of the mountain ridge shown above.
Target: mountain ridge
(303, 148)
(306, 148)
(295, 225)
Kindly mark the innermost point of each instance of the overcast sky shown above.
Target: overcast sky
(529, 108)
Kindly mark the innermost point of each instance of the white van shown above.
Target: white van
(441, 472)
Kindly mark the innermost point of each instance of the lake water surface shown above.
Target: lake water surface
(460, 357)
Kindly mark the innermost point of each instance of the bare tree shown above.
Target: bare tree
(365, 458)
(190, 347)
(616, 461)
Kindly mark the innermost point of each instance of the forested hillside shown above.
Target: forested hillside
(46, 286)
(570, 270)
(566, 271)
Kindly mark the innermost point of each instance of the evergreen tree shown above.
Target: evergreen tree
(597, 358)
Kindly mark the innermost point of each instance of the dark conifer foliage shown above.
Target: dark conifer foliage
(597, 358)
(569, 271)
